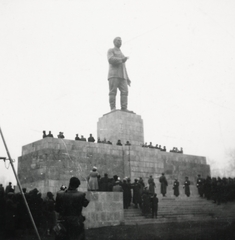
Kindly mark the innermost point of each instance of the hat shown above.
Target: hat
(95, 168)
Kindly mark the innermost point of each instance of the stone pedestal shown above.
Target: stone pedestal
(126, 126)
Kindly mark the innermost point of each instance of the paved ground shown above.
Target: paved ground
(166, 231)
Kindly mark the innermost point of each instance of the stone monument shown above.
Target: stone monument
(50, 162)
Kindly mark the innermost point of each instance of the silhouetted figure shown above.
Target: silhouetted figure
(146, 205)
(156, 146)
(77, 138)
(99, 141)
(91, 138)
(150, 145)
(163, 149)
(145, 145)
(60, 135)
(104, 141)
(49, 212)
(104, 183)
(152, 185)
(109, 142)
(187, 187)
(127, 143)
(176, 188)
(164, 184)
(181, 150)
(44, 134)
(83, 139)
(119, 143)
(50, 134)
(160, 147)
(69, 205)
(200, 185)
(9, 188)
(154, 205)
(93, 180)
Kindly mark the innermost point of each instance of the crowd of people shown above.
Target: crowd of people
(163, 149)
(48, 214)
(219, 190)
(82, 138)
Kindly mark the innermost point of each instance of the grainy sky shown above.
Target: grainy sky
(53, 70)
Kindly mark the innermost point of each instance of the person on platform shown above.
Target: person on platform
(93, 180)
(187, 187)
(44, 134)
(164, 184)
(50, 134)
(117, 75)
(60, 135)
(83, 139)
(150, 145)
(176, 187)
(117, 187)
(104, 183)
(152, 185)
(127, 143)
(77, 138)
(69, 205)
(163, 149)
(91, 138)
(119, 143)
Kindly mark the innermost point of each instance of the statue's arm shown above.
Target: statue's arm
(114, 60)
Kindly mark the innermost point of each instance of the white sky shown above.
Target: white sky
(53, 70)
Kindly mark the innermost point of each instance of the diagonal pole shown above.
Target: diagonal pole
(18, 182)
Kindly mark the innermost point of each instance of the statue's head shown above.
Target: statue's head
(117, 41)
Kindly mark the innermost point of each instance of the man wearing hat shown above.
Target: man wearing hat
(49, 212)
(69, 206)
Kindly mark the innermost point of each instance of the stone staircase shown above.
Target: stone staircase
(182, 209)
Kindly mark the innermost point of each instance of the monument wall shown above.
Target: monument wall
(50, 162)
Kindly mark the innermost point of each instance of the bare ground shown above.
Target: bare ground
(166, 231)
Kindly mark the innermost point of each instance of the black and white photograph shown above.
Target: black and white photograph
(117, 120)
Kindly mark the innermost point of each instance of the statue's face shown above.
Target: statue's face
(118, 42)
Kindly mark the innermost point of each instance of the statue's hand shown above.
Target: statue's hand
(129, 82)
(124, 59)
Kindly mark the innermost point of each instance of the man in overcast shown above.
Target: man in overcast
(117, 75)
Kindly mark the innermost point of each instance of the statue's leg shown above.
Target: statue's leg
(124, 93)
(113, 84)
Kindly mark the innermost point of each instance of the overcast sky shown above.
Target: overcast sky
(53, 70)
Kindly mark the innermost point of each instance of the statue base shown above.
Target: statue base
(121, 125)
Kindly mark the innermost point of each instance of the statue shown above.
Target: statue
(117, 75)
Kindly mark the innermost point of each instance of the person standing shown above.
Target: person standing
(154, 205)
(176, 187)
(151, 185)
(69, 205)
(117, 75)
(187, 187)
(164, 184)
(49, 212)
(93, 180)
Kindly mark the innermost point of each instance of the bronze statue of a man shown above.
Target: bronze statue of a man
(117, 76)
